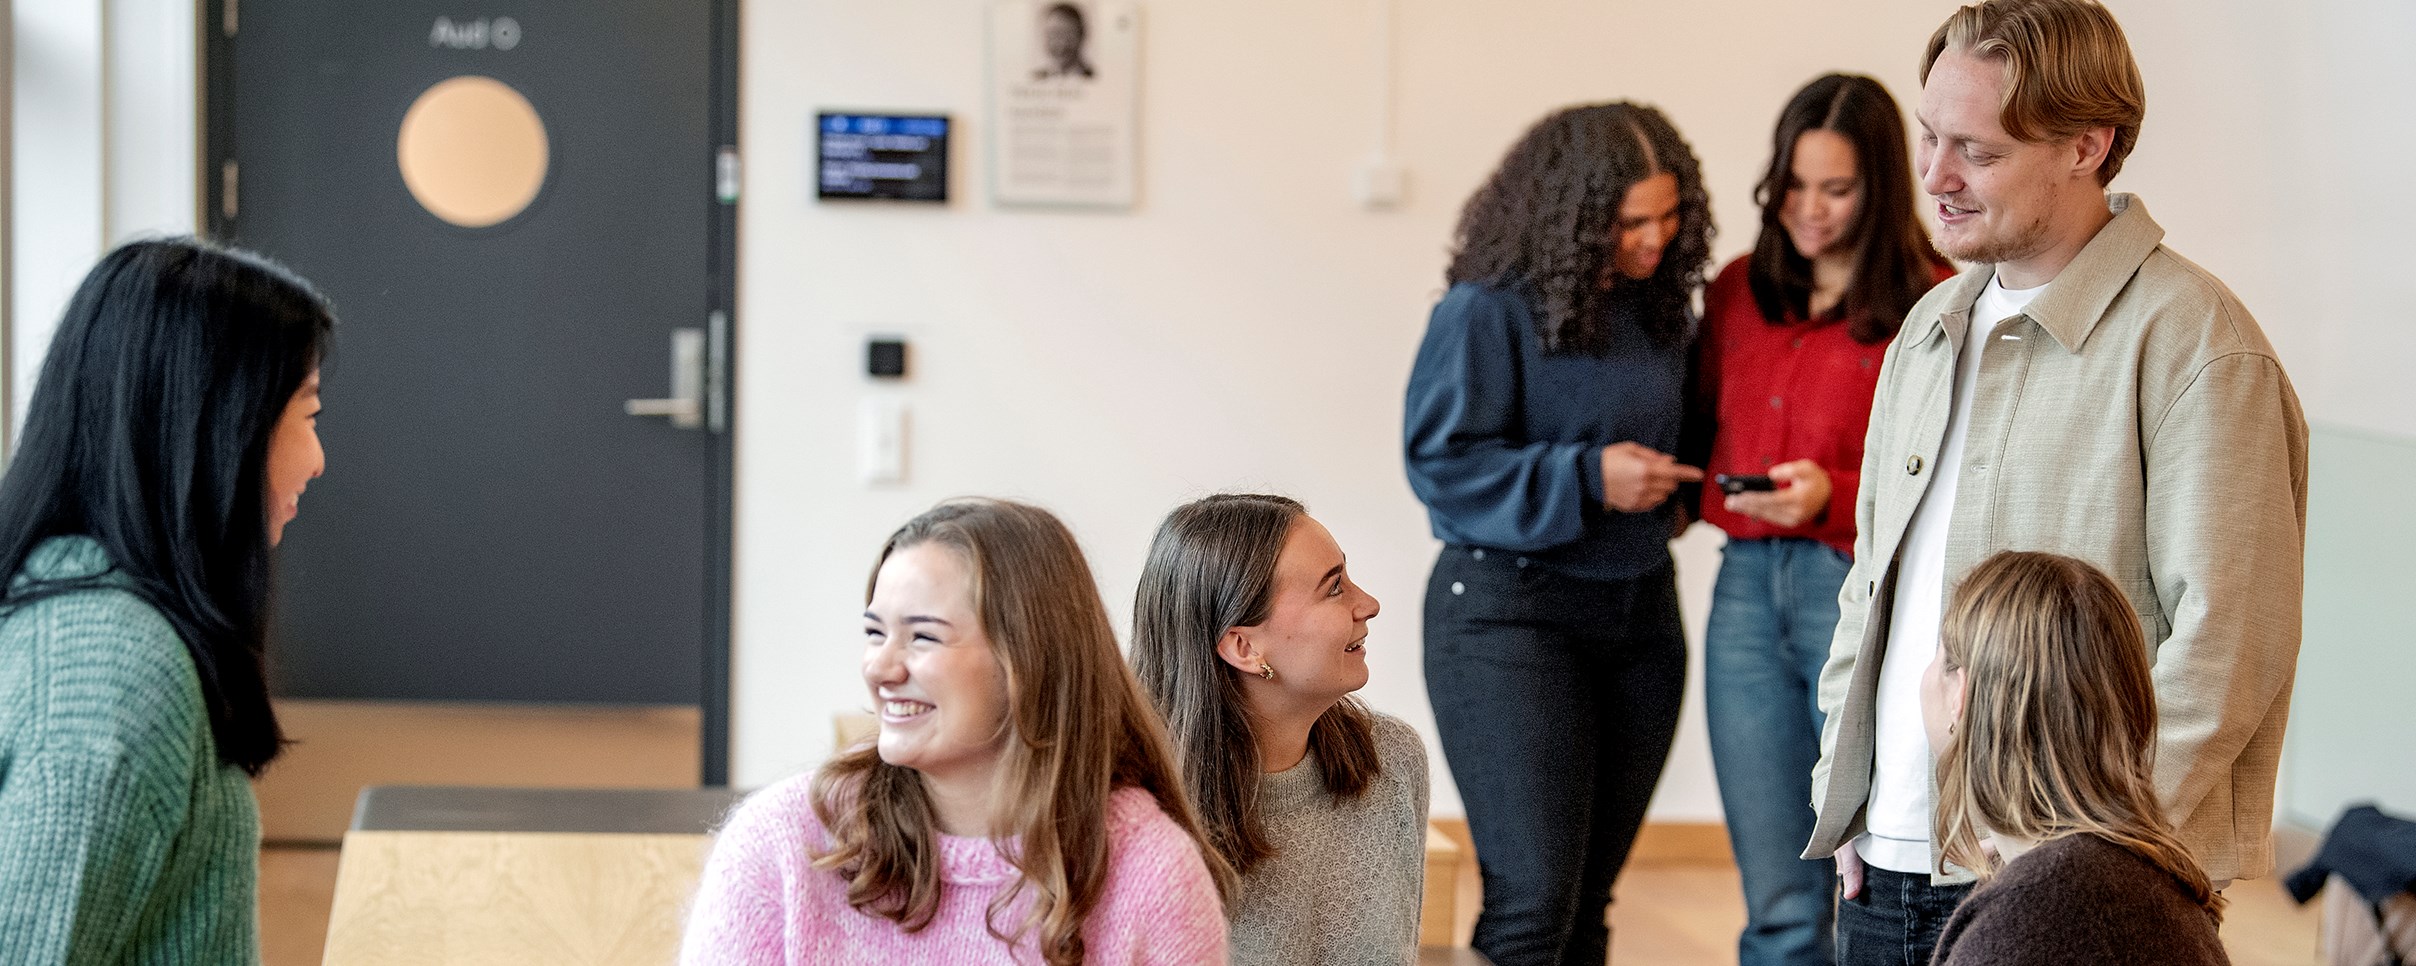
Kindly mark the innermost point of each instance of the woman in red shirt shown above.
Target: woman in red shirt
(1789, 354)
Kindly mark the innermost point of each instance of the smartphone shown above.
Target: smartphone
(1744, 484)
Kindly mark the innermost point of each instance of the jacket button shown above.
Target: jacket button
(1458, 588)
(1478, 553)
(1912, 465)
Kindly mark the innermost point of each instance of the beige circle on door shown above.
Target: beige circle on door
(473, 151)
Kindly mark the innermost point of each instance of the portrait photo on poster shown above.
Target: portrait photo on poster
(1064, 102)
(1064, 39)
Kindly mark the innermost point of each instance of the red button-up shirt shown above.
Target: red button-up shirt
(1780, 393)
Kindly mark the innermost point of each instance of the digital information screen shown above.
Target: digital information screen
(902, 157)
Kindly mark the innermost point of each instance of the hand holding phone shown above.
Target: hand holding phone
(1737, 483)
(1795, 493)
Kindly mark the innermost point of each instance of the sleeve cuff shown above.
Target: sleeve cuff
(1589, 469)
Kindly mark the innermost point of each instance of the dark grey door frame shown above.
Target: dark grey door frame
(216, 22)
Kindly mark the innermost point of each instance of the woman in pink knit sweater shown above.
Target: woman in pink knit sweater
(1021, 804)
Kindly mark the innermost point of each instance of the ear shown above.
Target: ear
(2089, 150)
(1238, 651)
(1958, 690)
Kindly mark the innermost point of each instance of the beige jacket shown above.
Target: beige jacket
(2134, 417)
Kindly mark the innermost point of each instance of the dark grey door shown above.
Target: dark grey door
(494, 525)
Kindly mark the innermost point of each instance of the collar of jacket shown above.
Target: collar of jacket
(2078, 297)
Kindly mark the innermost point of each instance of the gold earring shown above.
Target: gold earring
(1266, 670)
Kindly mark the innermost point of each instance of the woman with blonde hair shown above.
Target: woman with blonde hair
(2042, 709)
(1020, 804)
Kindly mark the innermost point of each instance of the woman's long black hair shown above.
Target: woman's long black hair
(1896, 264)
(1546, 222)
(149, 432)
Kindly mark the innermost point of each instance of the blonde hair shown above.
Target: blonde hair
(2067, 68)
(2058, 733)
(1077, 729)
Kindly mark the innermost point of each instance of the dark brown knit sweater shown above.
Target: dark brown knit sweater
(2080, 901)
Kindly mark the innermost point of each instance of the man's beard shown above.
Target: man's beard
(2023, 242)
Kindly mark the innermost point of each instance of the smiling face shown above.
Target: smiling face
(934, 678)
(1646, 222)
(1823, 203)
(1999, 199)
(1315, 634)
(294, 457)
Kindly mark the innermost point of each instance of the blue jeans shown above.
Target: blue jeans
(1555, 698)
(1897, 919)
(1772, 615)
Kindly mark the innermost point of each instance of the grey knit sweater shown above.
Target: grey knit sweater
(123, 839)
(1344, 883)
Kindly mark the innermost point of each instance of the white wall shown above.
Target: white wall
(102, 128)
(1248, 327)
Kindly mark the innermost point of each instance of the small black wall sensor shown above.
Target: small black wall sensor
(885, 358)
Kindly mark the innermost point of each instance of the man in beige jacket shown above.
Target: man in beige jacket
(2081, 390)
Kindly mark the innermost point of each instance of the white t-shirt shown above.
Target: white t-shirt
(1898, 814)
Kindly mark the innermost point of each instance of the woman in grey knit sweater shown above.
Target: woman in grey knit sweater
(1250, 637)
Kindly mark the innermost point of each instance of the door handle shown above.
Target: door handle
(686, 404)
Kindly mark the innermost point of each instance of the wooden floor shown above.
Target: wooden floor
(1674, 908)
(1668, 910)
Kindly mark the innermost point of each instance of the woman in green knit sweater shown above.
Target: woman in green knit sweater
(170, 437)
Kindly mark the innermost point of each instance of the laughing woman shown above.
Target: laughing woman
(1020, 804)
(1251, 637)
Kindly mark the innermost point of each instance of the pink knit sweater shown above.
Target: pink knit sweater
(762, 901)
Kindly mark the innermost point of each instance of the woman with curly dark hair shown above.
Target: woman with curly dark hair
(1542, 416)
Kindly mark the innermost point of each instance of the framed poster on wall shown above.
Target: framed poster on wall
(1064, 102)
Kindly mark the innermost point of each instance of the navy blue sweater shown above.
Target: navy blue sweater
(1504, 441)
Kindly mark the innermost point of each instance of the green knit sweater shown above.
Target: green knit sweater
(123, 839)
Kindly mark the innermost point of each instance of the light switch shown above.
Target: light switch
(1380, 184)
(881, 440)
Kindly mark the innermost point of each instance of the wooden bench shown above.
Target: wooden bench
(502, 875)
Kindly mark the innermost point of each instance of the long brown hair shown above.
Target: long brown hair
(1545, 223)
(1896, 263)
(1077, 729)
(2058, 733)
(1212, 568)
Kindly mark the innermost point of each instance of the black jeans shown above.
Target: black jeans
(1896, 920)
(1556, 699)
